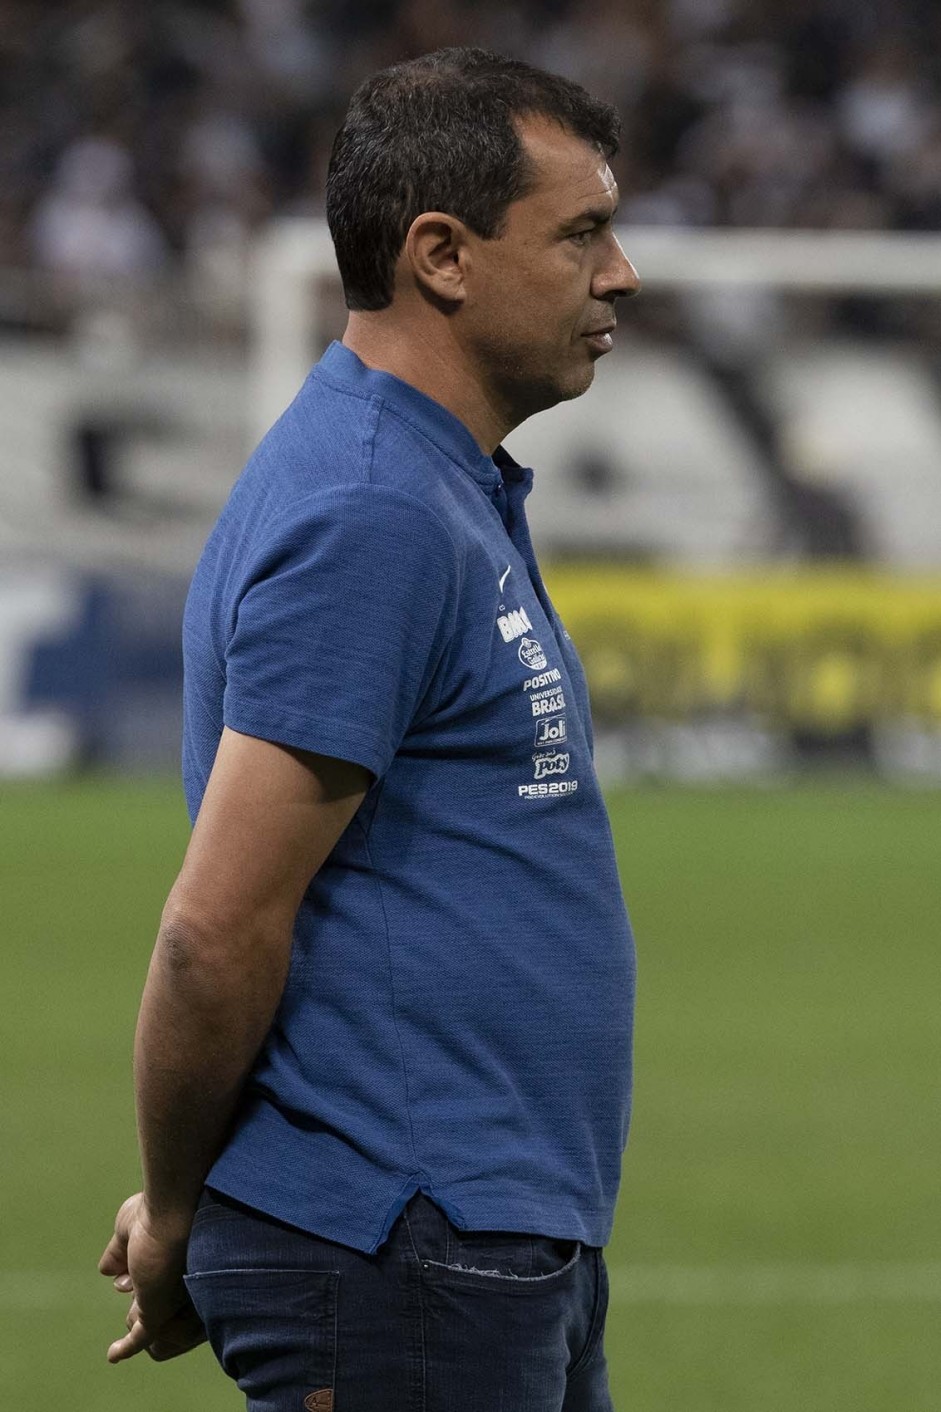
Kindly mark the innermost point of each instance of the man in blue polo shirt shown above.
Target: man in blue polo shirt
(383, 1057)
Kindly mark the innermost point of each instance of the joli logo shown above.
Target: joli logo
(551, 731)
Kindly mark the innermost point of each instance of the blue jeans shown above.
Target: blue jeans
(437, 1320)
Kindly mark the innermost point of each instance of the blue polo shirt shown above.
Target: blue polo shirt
(457, 1017)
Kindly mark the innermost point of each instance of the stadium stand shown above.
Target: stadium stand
(864, 421)
(145, 152)
(146, 147)
(116, 464)
(168, 129)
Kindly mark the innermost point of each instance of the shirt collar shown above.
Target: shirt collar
(341, 366)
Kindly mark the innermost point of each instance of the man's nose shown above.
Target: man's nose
(617, 279)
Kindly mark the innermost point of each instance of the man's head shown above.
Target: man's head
(479, 186)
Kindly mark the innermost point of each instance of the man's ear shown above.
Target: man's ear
(437, 252)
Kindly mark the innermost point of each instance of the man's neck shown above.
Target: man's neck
(436, 366)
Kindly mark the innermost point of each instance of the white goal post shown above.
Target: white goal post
(292, 254)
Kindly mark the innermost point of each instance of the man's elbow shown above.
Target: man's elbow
(192, 941)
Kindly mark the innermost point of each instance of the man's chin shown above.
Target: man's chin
(538, 395)
(577, 383)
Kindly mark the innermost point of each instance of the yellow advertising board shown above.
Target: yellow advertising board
(827, 650)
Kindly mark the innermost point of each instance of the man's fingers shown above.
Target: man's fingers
(135, 1341)
(163, 1352)
(176, 1340)
(160, 1317)
(176, 1335)
(114, 1258)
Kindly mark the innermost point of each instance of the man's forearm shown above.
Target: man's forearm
(207, 1006)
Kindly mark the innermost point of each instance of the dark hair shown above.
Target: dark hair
(438, 134)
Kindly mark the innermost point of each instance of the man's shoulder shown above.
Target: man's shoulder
(319, 439)
(332, 436)
(333, 445)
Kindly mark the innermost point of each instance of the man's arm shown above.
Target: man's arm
(269, 819)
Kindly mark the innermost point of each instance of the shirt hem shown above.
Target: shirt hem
(554, 1220)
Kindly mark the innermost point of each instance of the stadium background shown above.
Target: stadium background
(741, 524)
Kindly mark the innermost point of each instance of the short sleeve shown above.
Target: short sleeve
(342, 616)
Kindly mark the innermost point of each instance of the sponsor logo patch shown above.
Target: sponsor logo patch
(513, 625)
(532, 655)
(552, 788)
(546, 705)
(531, 683)
(551, 731)
(551, 762)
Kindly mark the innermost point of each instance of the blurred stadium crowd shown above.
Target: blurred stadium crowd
(746, 428)
(136, 138)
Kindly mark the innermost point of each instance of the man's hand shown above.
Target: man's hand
(149, 1264)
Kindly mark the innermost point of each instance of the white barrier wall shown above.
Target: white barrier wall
(35, 605)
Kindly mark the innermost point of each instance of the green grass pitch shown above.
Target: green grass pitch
(778, 1244)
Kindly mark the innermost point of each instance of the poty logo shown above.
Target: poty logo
(555, 762)
(513, 625)
(551, 731)
(531, 654)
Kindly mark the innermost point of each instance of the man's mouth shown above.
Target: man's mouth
(600, 338)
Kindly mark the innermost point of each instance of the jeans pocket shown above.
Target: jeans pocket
(273, 1330)
(521, 1267)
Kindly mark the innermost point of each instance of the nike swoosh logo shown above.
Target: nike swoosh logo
(502, 580)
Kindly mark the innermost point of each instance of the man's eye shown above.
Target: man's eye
(581, 236)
